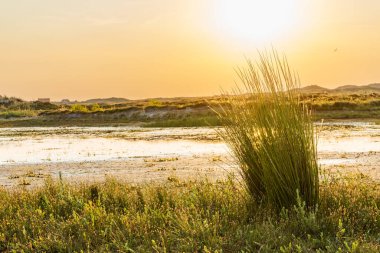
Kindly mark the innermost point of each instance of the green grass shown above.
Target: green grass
(55, 122)
(186, 217)
(18, 114)
(271, 135)
(190, 121)
(354, 115)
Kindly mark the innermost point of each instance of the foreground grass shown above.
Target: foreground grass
(186, 217)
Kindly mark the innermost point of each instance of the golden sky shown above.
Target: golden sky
(81, 49)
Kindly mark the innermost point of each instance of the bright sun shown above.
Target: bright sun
(260, 21)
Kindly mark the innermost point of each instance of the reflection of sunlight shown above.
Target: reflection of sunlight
(80, 145)
(256, 20)
(100, 149)
(88, 144)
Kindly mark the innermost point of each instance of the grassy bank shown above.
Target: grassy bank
(179, 112)
(61, 122)
(186, 217)
(188, 121)
(197, 121)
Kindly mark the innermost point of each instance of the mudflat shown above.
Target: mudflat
(155, 155)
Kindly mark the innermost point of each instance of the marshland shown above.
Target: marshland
(268, 176)
(189, 126)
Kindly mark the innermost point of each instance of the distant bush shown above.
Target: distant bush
(154, 102)
(375, 103)
(43, 106)
(95, 108)
(17, 114)
(78, 108)
(9, 101)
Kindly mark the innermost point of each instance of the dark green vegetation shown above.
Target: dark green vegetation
(186, 217)
(190, 121)
(271, 134)
(170, 112)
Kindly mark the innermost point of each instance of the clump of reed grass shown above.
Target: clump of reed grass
(271, 134)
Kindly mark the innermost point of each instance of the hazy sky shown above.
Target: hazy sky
(80, 49)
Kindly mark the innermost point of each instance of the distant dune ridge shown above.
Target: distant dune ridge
(312, 89)
(106, 100)
(373, 87)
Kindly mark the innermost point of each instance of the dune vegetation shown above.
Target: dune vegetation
(171, 112)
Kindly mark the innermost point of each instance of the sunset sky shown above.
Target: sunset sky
(80, 49)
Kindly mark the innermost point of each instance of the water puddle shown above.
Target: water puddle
(37, 145)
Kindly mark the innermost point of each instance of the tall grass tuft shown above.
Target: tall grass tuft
(271, 134)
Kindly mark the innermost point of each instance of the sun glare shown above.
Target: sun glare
(255, 20)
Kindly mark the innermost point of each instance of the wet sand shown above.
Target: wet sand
(136, 155)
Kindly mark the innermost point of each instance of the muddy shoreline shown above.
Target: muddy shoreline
(28, 156)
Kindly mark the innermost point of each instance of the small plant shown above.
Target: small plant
(271, 134)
